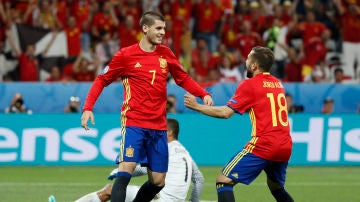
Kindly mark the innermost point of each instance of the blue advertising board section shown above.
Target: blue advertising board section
(52, 98)
(58, 139)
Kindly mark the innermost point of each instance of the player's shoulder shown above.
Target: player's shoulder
(129, 49)
(126, 52)
(164, 50)
(177, 147)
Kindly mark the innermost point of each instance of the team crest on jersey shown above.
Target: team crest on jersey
(129, 152)
(163, 64)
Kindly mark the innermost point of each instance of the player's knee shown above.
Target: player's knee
(159, 183)
(158, 179)
(223, 179)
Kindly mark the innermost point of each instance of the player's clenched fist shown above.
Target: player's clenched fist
(86, 115)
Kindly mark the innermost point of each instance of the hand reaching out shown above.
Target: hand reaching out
(190, 101)
(208, 100)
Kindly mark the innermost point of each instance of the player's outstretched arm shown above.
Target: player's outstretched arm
(86, 115)
(214, 111)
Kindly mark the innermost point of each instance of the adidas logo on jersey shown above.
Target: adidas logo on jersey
(137, 65)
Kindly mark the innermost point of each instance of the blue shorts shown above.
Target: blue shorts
(146, 146)
(244, 167)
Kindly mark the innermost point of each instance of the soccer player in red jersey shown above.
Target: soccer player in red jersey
(263, 96)
(143, 68)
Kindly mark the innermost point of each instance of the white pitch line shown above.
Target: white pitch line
(78, 184)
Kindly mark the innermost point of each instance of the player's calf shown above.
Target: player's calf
(281, 195)
(118, 191)
(147, 192)
(225, 192)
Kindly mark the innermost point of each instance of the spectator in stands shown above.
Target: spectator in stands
(28, 61)
(292, 108)
(129, 34)
(274, 38)
(24, 12)
(55, 74)
(73, 35)
(150, 5)
(314, 34)
(246, 40)
(181, 16)
(241, 8)
(17, 105)
(129, 7)
(350, 20)
(105, 49)
(84, 12)
(325, 13)
(229, 29)
(61, 9)
(328, 106)
(171, 104)
(85, 69)
(168, 39)
(319, 74)
(73, 106)
(229, 73)
(339, 77)
(45, 16)
(293, 66)
(7, 61)
(201, 61)
(256, 17)
(207, 16)
(222, 51)
(104, 20)
(315, 52)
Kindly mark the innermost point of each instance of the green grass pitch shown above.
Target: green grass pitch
(306, 184)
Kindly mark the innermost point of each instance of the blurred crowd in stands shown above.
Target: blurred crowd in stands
(313, 40)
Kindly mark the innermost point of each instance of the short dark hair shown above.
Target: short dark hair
(264, 57)
(173, 125)
(338, 69)
(149, 17)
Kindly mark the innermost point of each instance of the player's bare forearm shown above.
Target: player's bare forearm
(214, 111)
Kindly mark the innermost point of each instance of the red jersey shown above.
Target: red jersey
(245, 42)
(73, 36)
(351, 27)
(315, 52)
(29, 70)
(207, 15)
(263, 96)
(180, 13)
(310, 30)
(144, 76)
